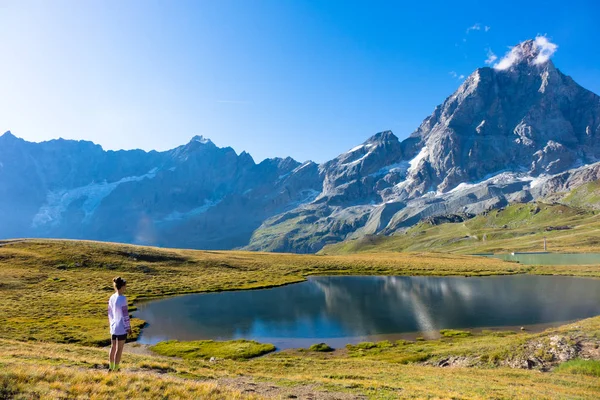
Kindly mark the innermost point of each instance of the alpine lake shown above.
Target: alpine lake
(339, 310)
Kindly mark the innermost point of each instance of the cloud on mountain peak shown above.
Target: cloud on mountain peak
(491, 57)
(546, 49)
(536, 51)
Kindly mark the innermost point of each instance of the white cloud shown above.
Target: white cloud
(476, 27)
(540, 50)
(546, 48)
(513, 56)
(491, 57)
(456, 76)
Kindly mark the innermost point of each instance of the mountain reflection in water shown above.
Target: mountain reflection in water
(354, 308)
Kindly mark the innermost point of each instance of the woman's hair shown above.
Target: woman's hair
(119, 282)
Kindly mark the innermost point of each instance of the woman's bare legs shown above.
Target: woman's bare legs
(119, 352)
(113, 353)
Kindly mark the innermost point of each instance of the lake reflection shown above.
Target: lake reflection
(345, 309)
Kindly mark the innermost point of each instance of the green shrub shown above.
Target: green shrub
(321, 347)
(205, 349)
(454, 333)
(365, 345)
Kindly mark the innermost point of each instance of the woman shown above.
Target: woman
(118, 318)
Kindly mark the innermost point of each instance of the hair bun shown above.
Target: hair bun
(119, 282)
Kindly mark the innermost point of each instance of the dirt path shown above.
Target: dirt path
(247, 384)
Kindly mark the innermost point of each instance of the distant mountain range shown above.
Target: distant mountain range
(507, 135)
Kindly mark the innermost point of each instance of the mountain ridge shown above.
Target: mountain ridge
(501, 137)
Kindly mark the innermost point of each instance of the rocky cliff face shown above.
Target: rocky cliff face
(197, 195)
(517, 132)
(528, 117)
(493, 141)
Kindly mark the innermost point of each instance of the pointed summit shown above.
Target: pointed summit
(201, 139)
(520, 113)
(8, 137)
(531, 52)
(382, 137)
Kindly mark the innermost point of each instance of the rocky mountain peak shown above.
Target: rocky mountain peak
(246, 158)
(201, 139)
(381, 137)
(533, 52)
(8, 136)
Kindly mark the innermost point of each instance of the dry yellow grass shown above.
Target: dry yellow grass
(24, 381)
(75, 370)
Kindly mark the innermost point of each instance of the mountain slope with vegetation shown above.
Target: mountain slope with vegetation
(518, 227)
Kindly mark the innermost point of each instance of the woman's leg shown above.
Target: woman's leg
(112, 353)
(120, 346)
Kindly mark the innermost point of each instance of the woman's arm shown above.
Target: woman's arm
(125, 311)
(110, 314)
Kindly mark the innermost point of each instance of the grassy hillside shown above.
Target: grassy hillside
(53, 321)
(518, 227)
(584, 196)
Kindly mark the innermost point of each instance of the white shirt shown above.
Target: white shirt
(118, 316)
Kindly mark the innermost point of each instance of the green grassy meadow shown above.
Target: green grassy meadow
(53, 326)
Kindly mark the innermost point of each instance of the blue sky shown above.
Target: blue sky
(309, 79)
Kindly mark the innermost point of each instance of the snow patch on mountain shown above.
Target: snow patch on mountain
(308, 196)
(400, 167)
(298, 168)
(414, 163)
(178, 216)
(352, 150)
(538, 181)
(544, 84)
(501, 178)
(294, 171)
(358, 160)
(360, 146)
(57, 202)
(201, 139)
